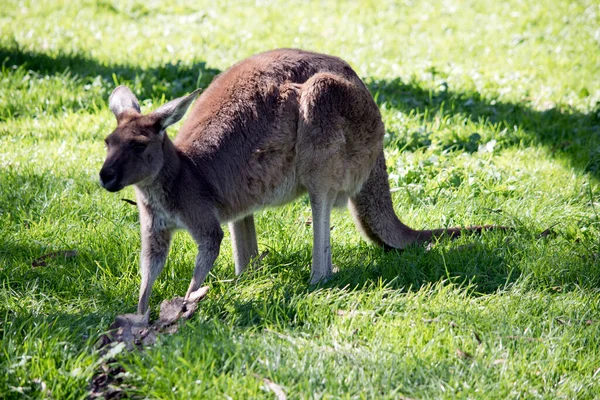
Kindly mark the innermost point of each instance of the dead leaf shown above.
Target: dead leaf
(41, 261)
(170, 311)
(546, 233)
(477, 338)
(526, 338)
(150, 337)
(550, 232)
(463, 354)
(128, 328)
(430, 321)
(494, 210)
(133, 203)
(499, 361)
(259, 259)
(107, 383)
(275, 388)
(453, 324)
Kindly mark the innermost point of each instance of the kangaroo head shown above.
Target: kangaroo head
(135, 148)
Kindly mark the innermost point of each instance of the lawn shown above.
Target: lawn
(492, 114)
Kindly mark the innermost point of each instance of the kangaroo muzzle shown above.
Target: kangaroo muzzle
(110, 180)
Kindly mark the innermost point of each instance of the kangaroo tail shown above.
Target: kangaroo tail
(375, 217)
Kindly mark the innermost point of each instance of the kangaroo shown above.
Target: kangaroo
(271, 128)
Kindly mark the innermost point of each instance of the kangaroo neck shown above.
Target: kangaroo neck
(171, 163)
(161, 185)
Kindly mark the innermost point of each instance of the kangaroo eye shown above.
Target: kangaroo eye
(138, 147)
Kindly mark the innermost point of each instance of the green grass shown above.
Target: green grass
(492, 112)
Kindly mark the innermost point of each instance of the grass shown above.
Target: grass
(492, 112)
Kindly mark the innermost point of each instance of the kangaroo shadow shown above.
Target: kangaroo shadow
(479, 264)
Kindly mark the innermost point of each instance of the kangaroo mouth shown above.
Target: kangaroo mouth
(112, 186)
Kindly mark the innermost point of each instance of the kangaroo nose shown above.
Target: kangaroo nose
(106, 175)
(108, 179)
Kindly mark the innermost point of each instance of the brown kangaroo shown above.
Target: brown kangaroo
(269, 129)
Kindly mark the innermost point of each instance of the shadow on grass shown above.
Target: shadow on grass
(481, 266)
(563, 130)
(58, 244)
(171, 80)
(54, 343)
(70, 277)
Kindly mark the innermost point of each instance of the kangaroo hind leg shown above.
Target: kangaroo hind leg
(243, 240)
(322, 267)
(339, 132)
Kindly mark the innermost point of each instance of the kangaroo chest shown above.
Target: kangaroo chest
(164, 215)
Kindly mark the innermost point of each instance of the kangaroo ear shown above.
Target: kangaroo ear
(122, 99)
(174, 110)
